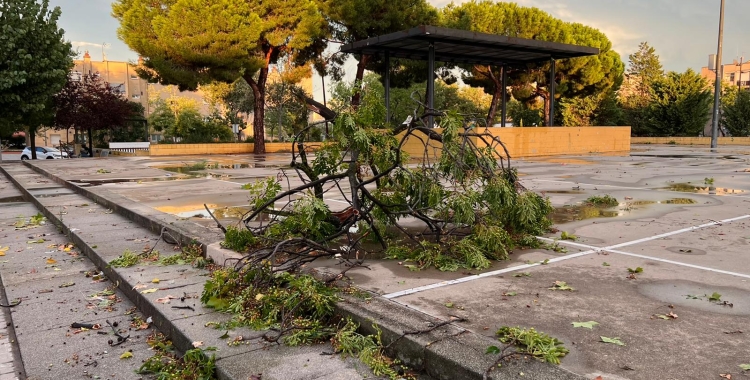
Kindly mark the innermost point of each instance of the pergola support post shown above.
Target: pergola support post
(551, 122)
(504, 103)
(431, 83)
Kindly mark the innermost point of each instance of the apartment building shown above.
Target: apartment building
(736, 73)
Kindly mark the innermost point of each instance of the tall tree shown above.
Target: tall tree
(644, 68)
(578, 77)
(188, 43)
(735, 116)
(680, 104)
(34, 63)
(635, 95)
(354, 20)
(90, 104)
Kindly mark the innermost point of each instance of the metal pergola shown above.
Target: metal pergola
(432, 43)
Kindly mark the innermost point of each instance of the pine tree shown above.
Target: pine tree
(34, 63)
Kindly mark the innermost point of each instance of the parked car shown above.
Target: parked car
(43, 152)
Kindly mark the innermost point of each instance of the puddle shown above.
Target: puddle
(99, 182)
(563, 192)
(567, 214)
(686, 251)
(697, 189)
(223, 213)
(676, 292)
(687, 156)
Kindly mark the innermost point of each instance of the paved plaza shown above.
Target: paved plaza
(683, 218)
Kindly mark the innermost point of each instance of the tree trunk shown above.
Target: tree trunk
(498, 86)
(544, 94)
(357, 96)
(259, 109)
(32, 142)
(91, 144)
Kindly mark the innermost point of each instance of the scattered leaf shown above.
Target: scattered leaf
(716, 297)
(566, 236)
(37, 241)
(147, 291)
(139, 286)
(259, 296)
(522, 274)
(589, 325)
(545, 262)
(492, 350)
(636, 270)
(692, 297)
(745, 367)
(126, 355)
(4, 249)
(510, 294)
(225, 336)
(561, 285)
(155, 281)
(449, 305)
(67, 285)
(165, 299)
(725, 376)
(605, 264)
(616, 341)
(51, 261)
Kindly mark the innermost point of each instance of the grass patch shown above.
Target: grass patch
(602, 201)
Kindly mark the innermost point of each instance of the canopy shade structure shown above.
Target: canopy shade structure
(432, 43)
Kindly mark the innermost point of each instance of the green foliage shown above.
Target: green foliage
(644, 69)
(576, 78)
(599, 110)
(681, 104)
(165, 364)
(238, 239)
(735, 115)
(35, 60)
(561, 285)
(602, 201)
(534, 343)
(523, 115)
(566, 236)
(635, 271)
(190, 254)
(185, 124)
(367, 348)
(189, 43)
(715, 297)
(708, 181)
(126, 260)
(260, 299)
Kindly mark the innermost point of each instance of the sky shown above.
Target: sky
(683, 32)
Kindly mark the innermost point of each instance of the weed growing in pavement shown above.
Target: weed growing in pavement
(534, 343)
(166, 364)
(602, 201)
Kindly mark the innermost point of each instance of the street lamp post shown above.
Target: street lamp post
(717, 90)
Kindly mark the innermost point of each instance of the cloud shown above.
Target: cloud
(85, 43)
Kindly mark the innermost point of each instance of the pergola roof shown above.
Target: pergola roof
(462, 46)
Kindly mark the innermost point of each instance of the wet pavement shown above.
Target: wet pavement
(683, 216)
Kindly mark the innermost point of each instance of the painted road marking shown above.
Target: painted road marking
(680, 263)
(592, 249)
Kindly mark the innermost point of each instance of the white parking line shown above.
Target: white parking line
(592, 249)
(679, 263)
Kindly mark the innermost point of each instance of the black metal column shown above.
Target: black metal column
(387, 86)
(551, 122)
(504, 105)
(431, 83)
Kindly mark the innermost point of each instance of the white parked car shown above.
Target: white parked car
(43, 152)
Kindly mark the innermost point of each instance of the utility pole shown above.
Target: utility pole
(739, 80)
(717, 90)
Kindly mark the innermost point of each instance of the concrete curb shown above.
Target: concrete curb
(449, 352)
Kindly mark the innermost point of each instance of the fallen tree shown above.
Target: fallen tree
(456, 204)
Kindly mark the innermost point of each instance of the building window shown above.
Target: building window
(136, 97)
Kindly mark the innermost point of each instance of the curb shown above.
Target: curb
(446, 353)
